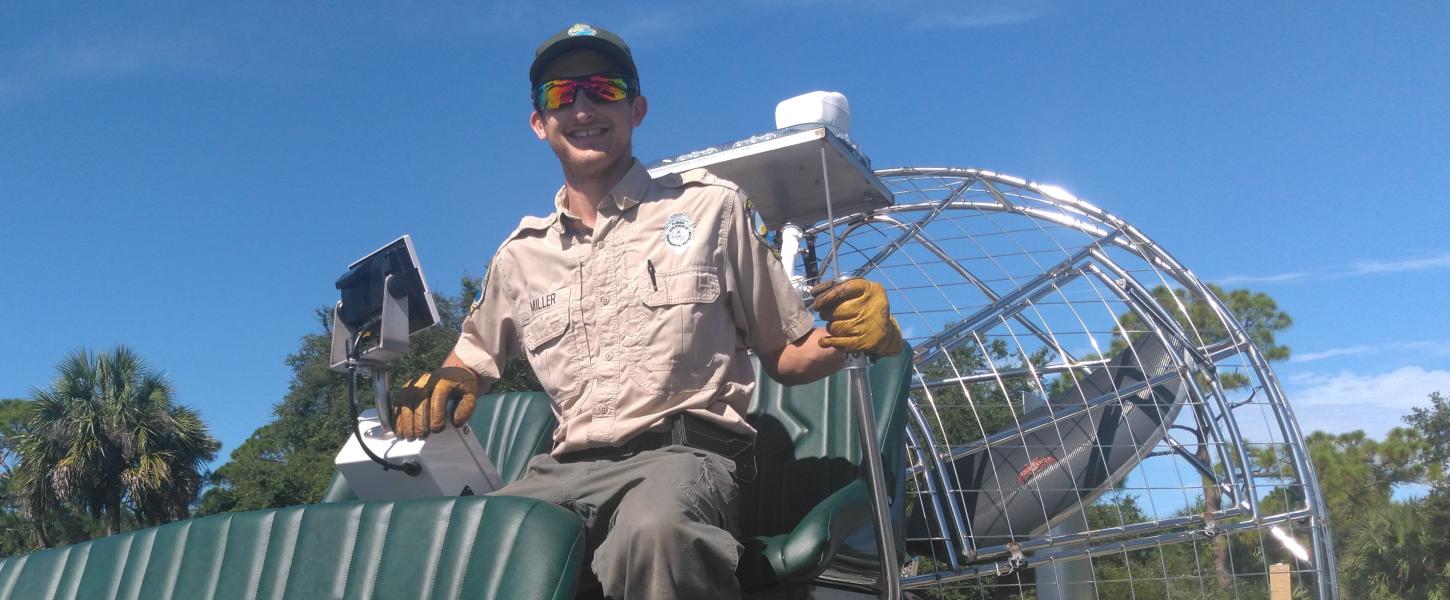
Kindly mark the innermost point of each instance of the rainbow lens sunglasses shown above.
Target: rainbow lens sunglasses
(558, 93)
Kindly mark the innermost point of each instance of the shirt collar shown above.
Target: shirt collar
(627, 193)
(561, 210)
(632, 188)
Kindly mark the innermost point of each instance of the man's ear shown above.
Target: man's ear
(640, 107)
(536, 121)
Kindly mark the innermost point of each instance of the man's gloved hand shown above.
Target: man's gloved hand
(857, 317)
(423, 404)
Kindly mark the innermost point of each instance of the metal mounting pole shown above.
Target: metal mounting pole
(830, 217)
(859, 379)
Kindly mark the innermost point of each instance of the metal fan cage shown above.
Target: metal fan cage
(1087, 418)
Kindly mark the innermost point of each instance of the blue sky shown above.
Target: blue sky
(190, 179)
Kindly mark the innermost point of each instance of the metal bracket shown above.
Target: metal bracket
(1015, 561)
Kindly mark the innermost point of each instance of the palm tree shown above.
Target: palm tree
(1393, 555)
(106, 439)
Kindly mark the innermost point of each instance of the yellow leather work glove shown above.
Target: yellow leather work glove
(857, 317)
(422, 405)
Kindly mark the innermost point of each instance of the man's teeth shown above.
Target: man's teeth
(583, 133)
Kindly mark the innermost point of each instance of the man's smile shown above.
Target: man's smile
(588, 133)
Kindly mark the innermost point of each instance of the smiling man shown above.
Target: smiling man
(637, 302)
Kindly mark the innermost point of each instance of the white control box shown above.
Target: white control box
(453, 462)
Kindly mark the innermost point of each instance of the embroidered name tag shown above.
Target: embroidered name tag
(544, 301)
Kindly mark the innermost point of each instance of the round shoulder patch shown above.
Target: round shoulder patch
(759, 230)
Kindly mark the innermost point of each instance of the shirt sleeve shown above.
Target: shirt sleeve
(489, 336)
(768, 312)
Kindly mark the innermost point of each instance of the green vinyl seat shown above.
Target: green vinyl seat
(457, 547)
(806, 519)
(807, 516)
(512, 427)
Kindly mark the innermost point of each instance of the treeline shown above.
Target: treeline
(1389, 547)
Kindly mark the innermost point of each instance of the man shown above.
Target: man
(636, 302)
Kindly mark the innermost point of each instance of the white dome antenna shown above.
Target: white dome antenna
(827, 108)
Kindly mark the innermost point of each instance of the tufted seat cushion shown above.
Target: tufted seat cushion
(807, 516)
(468, 547)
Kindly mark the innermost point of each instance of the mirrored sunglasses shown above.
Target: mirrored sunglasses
(558, 93)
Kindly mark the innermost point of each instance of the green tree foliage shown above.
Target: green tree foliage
(1261, 319)
(290, 460)
(18, 533)
(1433, 423)
(1387, 548)
(12, 422)
(1256, 312)
(1259, 316)
(1394, 554)
(106, 440)
(1399, 549)
(1358, 475)
(970, 412)
(1184, 569)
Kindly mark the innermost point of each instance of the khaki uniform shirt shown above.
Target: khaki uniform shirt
(649, 315)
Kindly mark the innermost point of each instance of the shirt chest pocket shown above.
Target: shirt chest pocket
(543, 333)
(682, 310)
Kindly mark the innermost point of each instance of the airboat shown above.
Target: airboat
(1078, 416)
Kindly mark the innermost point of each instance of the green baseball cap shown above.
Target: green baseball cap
(583, 36)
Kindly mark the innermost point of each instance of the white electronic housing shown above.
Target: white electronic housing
(453, 461)
(788, 173)
(827, 108)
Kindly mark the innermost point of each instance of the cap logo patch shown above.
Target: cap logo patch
(678, 232)
(581, 29)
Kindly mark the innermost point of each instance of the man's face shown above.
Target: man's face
(591, 138)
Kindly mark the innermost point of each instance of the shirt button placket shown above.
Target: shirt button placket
(600, 271)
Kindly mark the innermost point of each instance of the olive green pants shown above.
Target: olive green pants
(660, 523)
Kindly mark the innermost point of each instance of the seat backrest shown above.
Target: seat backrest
(425, 548)
(512, 427)
(808, 445)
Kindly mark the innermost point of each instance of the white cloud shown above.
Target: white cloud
(1420, 348)
(1355, 269)
(1275, 278)
(1371, 267)
(1346, 401)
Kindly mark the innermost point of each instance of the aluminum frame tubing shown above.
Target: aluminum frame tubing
(923, 581)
